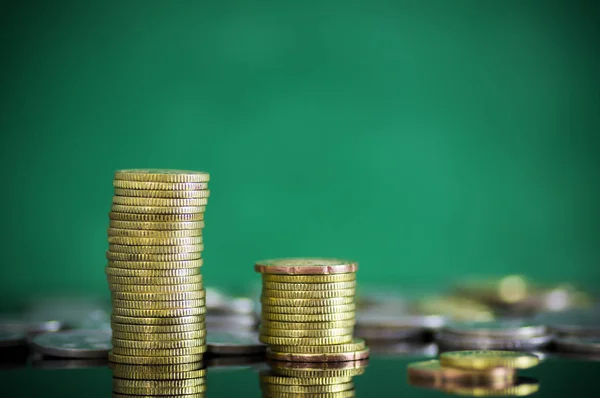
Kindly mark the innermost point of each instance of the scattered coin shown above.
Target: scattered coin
(523, 387)
(74, 344)
(434, 371)
(12, 339)
(586, 344)
(450, 340)
(505, 328)
(487, 359)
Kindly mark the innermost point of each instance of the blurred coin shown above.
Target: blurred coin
(587, 344)
(451, 340)
(271, 377)
(404, 348)
(503, 328)
(73, 312)
(223, 343)
(523, 387)
(509, 289)
(374, 334)
(60, 363)
(302, 389)
(319, 369)
(457, 308)
(74, 344)
(433, 370)
(572, 323)
(399, 320)
(305, 266)
(29, 324)
(318, 357)
(231, 322)
(12, 339)
(488, 359)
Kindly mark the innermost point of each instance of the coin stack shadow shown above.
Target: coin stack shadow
(154, 260)
(308, 310)
(331, 379)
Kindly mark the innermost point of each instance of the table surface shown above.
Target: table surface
(385, 376)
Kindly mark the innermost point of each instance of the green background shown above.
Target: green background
(425, 139)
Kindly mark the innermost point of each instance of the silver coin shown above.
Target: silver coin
(12, 339)
(503, 328)
(372, 333)
(29, 324)
(225, 343)
(586, 344)
(405, 349)
(573, 323)
(391, 320)
(59, 363)
(74, 344)
(450, 340)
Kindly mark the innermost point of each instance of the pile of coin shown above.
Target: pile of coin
(503, 334)
(154, 260)
(476, 373)
(331, 379)
(308, 310)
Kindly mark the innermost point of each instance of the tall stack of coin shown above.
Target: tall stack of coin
(154, 260)
(308, 310)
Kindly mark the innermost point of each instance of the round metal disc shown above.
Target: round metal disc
(579, 344)
(503, 328)
(450, 340)
(225, 343)
(74, 344)
(12, 339)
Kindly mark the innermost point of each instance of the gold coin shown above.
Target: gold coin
(341, 394)
(198, 335)
(157, 209)
(434, 371)
(155, 249)
(355, 345)
(342, 316)
(153, 257)
(305, 266)
(195, 395)
(265, 323)
(155, 265)
(151, 273)
(157, 305)
(152, 234)
(334, 278)
(157, 345)
(315, 294)
(321, 357)
(157, 369)
(160, 186)
(160, 390)
(488, 359)
(141, 280)
(162, 175)
(180, 320)
(156, 288)
(148, 360)
(308, 310)
(151, 329)
(137, 241)
(520, 389)
(157, 223)
(192, 295)
(137, 201)
(159, 353)
(270, 377)
(309, 286)
(306, 333)
(158, 383)
(278, 302)
(312, 341)
(300, 389)
(176, 312)
(151, 375)
(319, 369)
(156, 218)
(148, 193)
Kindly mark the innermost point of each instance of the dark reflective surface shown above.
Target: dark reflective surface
(385, 376)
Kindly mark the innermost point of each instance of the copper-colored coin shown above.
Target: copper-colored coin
(334, 357)
(305, 266)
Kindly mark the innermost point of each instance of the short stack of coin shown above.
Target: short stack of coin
(154, 260)
(308, 310)
(331, 379)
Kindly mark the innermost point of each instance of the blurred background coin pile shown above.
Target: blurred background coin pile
(154, 260)
(330, 379)
(308, 310)
(476, 373)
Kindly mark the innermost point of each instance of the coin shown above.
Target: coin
(433, 370)
(155, 265)
(271, 377)
(587, 344)
(139, 241)
(342, 316)
(303, 389)
(135, 329)
(156, 369)
(159, 390)
(309, 286)
(331, 278)
(157, 223)
(155, 249)
(149, 280)
(224, 343)
(160, 336)
(74, 343)
(319, 369)
(161, 236)
(505, 328)
(573, 323)
(114, 208)
(523, 387)
(175, 312)
(306, 333)
(307, 325)
(193, 295)
(157, 344)
(159, 353)
(194, 395)
(302, 341)
(305, 266)
(122, 382)
(332, 309)
(323, 357)
(315, 294)
(151, 273)
(160, 186)
(115, 287)
(488, 359)
(181, 320)
(152, 375)
(162, 175)
(149, 193)
(279, 302)
(391, 319)
(153, 257)
(355, 345)
(12, 339)
(160, 202)
(376, 333)
(449, 340)
(174, 221)
(157, 305)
